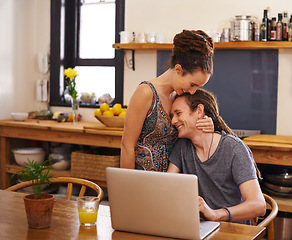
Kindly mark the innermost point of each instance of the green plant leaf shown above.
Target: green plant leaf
(37, 173)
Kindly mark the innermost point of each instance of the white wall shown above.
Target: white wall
(284, 111)
(25, 30)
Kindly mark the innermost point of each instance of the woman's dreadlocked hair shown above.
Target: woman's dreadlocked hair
(193, 50)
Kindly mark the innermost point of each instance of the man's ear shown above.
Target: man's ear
(178, 68)
(200, 111)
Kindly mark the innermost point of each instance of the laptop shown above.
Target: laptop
(156, 203)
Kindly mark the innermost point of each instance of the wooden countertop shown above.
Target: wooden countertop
(269, 142)
(82, 126)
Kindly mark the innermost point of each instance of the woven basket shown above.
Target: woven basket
(86, 164)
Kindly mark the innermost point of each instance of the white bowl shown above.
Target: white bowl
(21, 155)
(19, 116)
(62, 165)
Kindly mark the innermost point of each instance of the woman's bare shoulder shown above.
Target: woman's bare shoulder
(144, 90)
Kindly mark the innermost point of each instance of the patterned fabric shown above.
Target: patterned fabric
(157, 138)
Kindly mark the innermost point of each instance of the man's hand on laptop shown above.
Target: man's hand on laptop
(209, 214)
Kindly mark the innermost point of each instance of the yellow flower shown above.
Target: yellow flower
(70, 73)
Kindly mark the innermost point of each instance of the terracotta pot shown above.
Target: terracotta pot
(39, 211)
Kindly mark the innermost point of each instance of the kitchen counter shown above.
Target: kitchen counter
(83, 133)
(274, 150)
(271, 149)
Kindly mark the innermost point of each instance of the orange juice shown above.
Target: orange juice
(87, 216)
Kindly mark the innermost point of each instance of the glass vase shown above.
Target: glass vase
(75, 108)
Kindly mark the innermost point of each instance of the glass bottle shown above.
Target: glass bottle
(265, 26)
(290, 30)
(257, 32)
(285, 26)
(273, 29)
(279, 28)
(269, 29)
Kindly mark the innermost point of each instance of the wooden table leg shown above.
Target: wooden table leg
(5, 179)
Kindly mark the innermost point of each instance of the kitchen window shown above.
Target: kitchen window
(82, 34)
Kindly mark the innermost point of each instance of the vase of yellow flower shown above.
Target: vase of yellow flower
(71, 74)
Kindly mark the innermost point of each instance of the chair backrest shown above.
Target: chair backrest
(268, 221)
(70, 181)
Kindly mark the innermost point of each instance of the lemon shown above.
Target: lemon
(70, 118)
(118, 105)
(108, 113)
(122, 114)
(97, 112)
(116, 110)
(104, 107)
(124, 109)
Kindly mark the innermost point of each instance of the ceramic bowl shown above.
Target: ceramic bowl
(111, 121)
(61, 165)
(19, 116)
(21, 155)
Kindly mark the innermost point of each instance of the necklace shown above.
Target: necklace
(210, 145)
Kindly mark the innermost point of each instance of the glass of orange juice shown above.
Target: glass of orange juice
(87, 210)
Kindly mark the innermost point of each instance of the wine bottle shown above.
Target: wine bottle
(273, 29)
(290, 30)
(265, 26)
(285, 26)
(279, 28)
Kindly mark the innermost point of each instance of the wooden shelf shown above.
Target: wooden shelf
(218, 45)
(143, 46)
(13, 168)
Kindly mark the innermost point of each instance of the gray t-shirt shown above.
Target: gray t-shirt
(219, 177)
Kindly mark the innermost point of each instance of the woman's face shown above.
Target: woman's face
(189, 82)
(183, 118)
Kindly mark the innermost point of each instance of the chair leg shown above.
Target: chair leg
(69, 191)
(82, 191)
(270, 231)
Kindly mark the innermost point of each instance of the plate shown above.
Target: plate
(111, 121)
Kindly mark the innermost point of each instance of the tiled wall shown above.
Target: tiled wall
(245, 83)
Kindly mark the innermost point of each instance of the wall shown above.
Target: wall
(25, 30)
(25, 26)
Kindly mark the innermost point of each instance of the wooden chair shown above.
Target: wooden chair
(268, 221)
(70, 180)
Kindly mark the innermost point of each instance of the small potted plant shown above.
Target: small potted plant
(38, 206)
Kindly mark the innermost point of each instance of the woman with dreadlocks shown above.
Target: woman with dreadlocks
(149, 136)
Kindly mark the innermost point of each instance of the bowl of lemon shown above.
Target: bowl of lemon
(111, 117)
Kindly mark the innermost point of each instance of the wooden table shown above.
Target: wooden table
(83, 133)
(65, 224)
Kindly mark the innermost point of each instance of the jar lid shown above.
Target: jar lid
(243, 17)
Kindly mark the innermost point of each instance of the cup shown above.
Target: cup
(142, 38)
(160, 38)
(126, 37)
(87, 210)
(151, 37)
